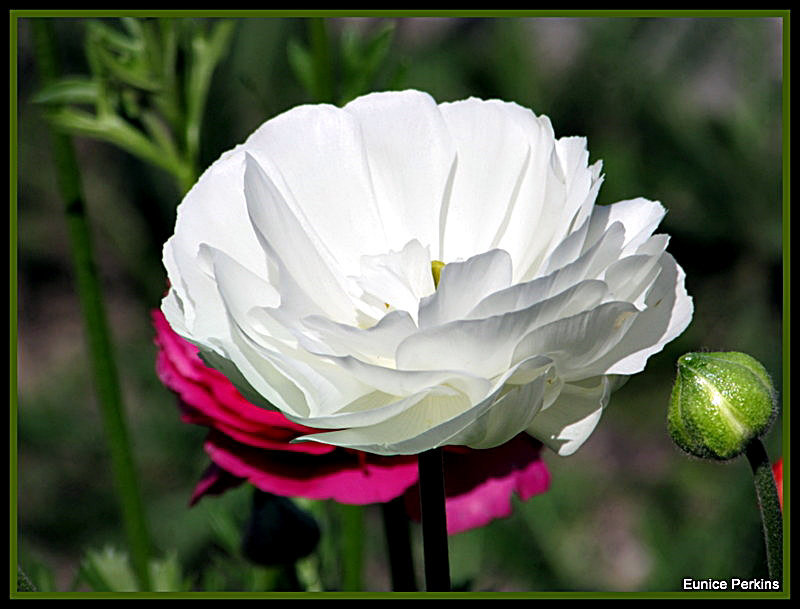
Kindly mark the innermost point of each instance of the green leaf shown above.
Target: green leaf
(100, 33)
(74, 90)
(166, 575)
(108, 570)
(111, 128)
(129, 69)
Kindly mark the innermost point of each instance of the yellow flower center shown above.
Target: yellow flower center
(436, 271)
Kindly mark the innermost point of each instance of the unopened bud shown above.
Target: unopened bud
(720, 402)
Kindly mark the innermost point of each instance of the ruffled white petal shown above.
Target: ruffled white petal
(397, 280)
(486, 346)
(572, 418)
(410, 153)
(293, 246)
(446, 416)
(668, 312)
(462, 285)
(315, 156)
(492, 160)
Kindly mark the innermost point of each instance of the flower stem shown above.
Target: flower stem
(323, 69)
(352, 523)
(434, 521)
(101, 353)
(769, 506)
(398, 542)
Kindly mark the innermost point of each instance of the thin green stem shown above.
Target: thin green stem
(101, 353)
(769, 506)
(434, 521)
(352, 528)
(323, 68)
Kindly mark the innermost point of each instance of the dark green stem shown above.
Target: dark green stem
(352, 530)
(88, 285)
(769, 506)
(434, 521)
(323, 70)
(398, 544)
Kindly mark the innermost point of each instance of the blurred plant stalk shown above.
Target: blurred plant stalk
(98, 336)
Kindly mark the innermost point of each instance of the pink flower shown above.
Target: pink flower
(249, 443)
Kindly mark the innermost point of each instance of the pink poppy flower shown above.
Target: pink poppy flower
(249, 443)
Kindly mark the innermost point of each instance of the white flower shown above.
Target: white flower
(301, 267)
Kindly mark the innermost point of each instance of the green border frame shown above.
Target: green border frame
(15, 15)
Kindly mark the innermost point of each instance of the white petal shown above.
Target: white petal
(407, 433)
(532, 221)
(485, 346)
(567, 423)
(284, 238)
(376, 345)
(315, 156)
(277, 369)
(578, 177)
(492, 158)
(588, 261)
(443, 417)
(242, 291)
(212, 212)
(515, 410)
(569, 187)
(398, 279)
(640, 217)
(409, 382)
(377, 408)
(462, 285)
(410, 154)
(668, 313)
(577, 341)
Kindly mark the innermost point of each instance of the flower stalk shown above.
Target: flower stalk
(434, 521)
(101, 352)
(323, 68)
(352, 523)
(768, 506)
(398, 542)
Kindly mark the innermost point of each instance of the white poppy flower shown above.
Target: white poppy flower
(301, 266)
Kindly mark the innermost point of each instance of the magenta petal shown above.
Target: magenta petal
(342, 475)
(214, 481)
(490, 500)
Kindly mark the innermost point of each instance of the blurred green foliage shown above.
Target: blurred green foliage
(683, 110)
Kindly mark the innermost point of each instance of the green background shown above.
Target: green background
(685, 110)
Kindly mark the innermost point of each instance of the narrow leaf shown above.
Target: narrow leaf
(74, 90)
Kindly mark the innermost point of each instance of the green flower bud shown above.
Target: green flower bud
(720, 402)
